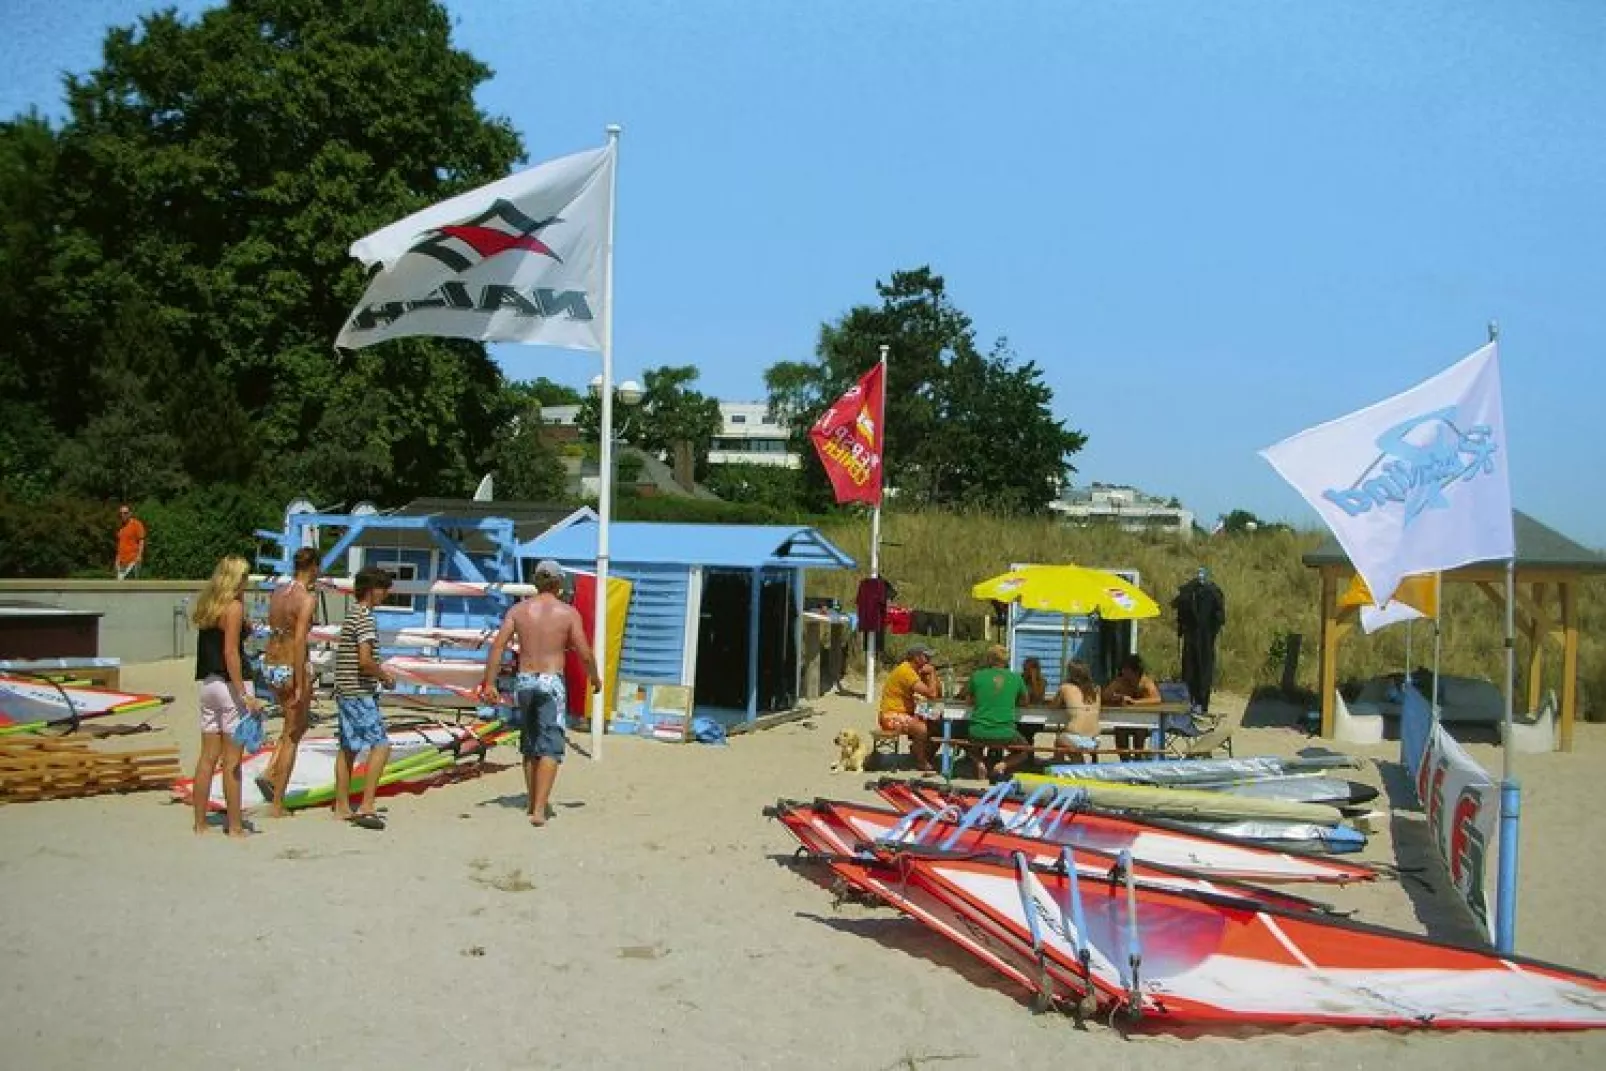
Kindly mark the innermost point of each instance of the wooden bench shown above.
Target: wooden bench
(885, 743)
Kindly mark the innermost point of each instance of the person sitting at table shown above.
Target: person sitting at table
(1132, 687)
(1031, 671)
(996, 694)
(910, 681)
(1079, 741)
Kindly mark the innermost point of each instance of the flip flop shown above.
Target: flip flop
(368, 821)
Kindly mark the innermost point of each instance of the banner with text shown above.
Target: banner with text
(1460, 799)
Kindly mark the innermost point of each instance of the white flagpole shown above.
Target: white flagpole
(1505, 923)
(875, 535)
(599, 625)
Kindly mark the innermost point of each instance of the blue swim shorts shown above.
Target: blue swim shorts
(361, 725)
(543, 701)
(1080, 742)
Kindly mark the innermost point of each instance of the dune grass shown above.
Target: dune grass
(933, 558)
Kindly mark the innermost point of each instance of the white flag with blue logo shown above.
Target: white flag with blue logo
(1415, 484)
(517, 260)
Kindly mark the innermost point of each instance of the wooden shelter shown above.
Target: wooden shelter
(1549, 569)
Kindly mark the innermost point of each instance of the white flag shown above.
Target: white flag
(517, 260)
(1415, 484)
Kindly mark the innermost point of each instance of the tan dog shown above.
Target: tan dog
(852, 752)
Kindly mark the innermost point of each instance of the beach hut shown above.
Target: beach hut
(714, 607)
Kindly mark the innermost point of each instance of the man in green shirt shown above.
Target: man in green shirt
(995, 695)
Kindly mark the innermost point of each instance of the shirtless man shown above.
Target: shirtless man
(1132, 687)
(546, 628)
(286, 670)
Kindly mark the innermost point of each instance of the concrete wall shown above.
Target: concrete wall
(143, 620)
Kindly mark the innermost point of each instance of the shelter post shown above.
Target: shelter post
(1329, 655)
(1538, 636)
(1569, 661)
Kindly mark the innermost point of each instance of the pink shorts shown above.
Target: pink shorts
(219, 711)
(894, 722)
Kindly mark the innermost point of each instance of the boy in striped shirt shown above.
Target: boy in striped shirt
(358, 677)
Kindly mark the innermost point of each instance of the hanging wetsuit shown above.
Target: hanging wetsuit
(1201, 612)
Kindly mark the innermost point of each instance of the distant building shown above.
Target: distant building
(746, 435)
(1126, 507)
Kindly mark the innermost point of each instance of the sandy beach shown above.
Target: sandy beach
(649, 925)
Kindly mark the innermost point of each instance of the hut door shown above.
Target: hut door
(722, 639)
(777, 649)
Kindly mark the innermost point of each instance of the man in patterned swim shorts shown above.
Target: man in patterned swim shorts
(910, 681)
(546, 628)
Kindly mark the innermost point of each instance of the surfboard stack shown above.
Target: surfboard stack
(1152, 924)
(32, 768)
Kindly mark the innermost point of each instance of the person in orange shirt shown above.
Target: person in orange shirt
(911, 680)
(130, 542)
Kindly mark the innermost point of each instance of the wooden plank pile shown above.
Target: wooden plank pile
(34, 768)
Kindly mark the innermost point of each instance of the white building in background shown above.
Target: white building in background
(1125, 507)
(747, 436)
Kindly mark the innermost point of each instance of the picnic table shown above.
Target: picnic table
(1158, 718)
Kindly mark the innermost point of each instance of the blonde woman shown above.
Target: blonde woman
(219, 617)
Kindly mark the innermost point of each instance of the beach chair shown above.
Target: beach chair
(1210, 733)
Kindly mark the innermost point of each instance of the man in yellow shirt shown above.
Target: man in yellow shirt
(911, 680)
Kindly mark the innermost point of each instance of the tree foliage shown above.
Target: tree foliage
(524, 463)
(670, 412)
(186, 228)
(963, 428)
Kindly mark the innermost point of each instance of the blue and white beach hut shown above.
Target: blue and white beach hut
(716, 607)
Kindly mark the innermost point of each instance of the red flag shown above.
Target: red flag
(848, 438)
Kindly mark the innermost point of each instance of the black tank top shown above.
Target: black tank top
(209, 654)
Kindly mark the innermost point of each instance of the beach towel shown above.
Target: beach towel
(706, 730)
(248, 733)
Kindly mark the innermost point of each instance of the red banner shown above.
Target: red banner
(848, 439)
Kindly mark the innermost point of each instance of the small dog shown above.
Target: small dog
(852, 752)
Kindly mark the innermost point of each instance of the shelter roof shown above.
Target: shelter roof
(737, 546)
(1539, 546)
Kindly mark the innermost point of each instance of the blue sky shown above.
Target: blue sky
(1213, 224)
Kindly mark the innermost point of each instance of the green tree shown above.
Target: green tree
(543, 391)
(126, 451)
(773, 486)
(28, 438)
(670, 412)
(206, 184)
(1241, 520)
(962, 427)
(524, 463)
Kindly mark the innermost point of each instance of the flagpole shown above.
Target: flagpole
(875, 534)
(599, 623)
(1438, 648)
(1505, 937)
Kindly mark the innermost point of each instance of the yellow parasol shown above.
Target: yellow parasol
(1070, 590)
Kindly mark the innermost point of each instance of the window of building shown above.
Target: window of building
(739, 418)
